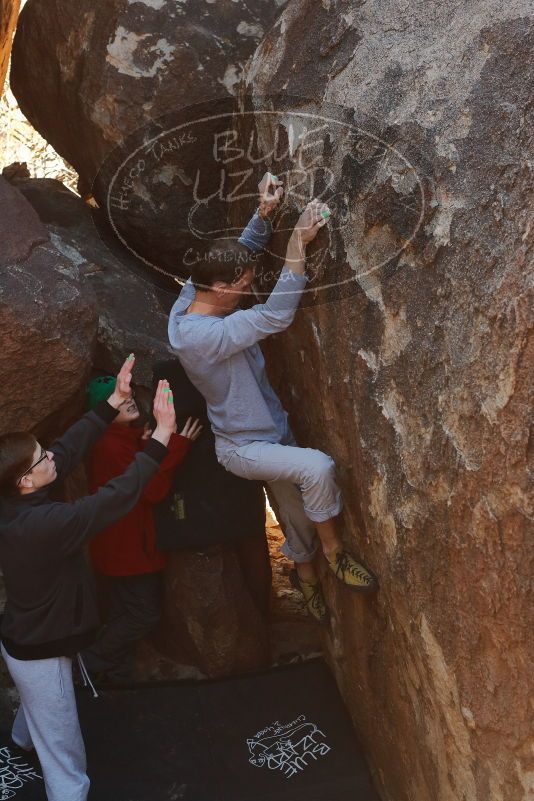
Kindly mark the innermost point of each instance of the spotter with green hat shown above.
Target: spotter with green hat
(99, 389)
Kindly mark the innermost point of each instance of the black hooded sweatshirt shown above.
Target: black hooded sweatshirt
(51, 606)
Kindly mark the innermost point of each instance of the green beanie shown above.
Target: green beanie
(100, 389)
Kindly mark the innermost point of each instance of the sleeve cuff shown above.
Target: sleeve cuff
(106, 412)
(290, 279)
(257, 220)
(155, 450)
(257, 233)
(177, 442)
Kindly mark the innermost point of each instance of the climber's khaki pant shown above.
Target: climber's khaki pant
(302, 481)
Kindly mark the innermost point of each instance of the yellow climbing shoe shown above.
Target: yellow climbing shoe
(313, 596)
(351, 572)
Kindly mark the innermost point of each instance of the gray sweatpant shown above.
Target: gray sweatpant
(47, 720)
(302, 481)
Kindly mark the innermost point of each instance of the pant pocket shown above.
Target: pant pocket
(256, 464)
(60, 684)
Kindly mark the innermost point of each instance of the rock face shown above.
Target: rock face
(133, 80)
(48, 322)
(48, 326)
(132, 315)
(9, 10)
(413, 368)
(211, 620)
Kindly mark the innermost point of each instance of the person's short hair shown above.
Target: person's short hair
(224, 260)
(16, 457)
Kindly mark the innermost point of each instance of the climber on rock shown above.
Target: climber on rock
(50, 612)
(217, 343)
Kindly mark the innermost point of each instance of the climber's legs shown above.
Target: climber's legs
(302, 481)
(304, 489)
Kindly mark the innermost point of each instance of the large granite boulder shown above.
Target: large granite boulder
(133, 94)
(132, 312)
(48, 323)
(412, 364)
(213, 617)
(9, 10)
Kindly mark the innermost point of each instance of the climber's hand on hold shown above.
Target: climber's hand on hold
(312, 219)
(271, 191)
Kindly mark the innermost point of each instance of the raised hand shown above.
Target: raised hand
(192, 429)
(271, 191)
(164, 413)
(123, 389)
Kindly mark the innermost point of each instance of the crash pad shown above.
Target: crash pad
(281, 735)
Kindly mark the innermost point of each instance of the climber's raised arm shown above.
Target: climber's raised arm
(224, 334)
(259, 230)
(254, 238)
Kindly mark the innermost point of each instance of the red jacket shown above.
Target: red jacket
(128, 547)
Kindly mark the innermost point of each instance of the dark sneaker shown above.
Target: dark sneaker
(313, 597)
(351, 572)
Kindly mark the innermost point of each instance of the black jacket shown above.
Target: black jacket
(207, 505)
(51, 607)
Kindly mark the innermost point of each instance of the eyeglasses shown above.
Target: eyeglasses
(41, 458)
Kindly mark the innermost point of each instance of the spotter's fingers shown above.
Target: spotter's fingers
(158, 398)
